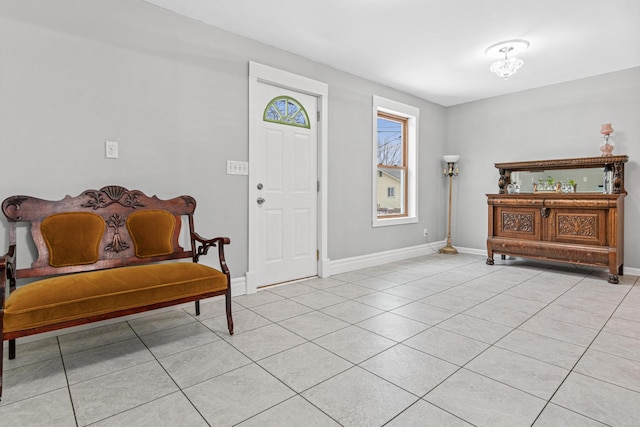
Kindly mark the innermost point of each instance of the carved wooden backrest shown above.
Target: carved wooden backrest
(113, 204)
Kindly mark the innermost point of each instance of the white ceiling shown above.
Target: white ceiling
(434, 49)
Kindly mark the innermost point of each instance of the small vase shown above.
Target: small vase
(606, 149)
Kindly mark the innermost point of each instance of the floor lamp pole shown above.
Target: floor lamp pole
(450, 170)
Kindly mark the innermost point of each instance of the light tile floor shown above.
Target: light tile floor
(435, 340)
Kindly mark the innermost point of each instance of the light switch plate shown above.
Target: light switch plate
(235, 167)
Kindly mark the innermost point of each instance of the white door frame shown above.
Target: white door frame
(259, 73)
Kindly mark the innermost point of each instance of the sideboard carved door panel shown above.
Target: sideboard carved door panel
(582, 227)
(522, 223)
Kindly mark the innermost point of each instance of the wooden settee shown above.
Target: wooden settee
(103, 254)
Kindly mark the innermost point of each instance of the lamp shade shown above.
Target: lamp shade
(450, 158)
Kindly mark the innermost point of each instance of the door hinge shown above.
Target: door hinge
(318, 115)
(317, 254)
(318, 186)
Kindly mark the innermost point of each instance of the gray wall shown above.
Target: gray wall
(174, 93)
(552, 122)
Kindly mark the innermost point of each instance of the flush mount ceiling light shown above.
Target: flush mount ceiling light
(507, 66)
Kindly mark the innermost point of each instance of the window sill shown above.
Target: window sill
(394, 221)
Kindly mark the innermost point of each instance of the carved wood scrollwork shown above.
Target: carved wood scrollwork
(502, 181)
(202, 250)
(517, 222)
(577, 225)
(189, 201)
(115, 221)
(115, 194)
(618, 178)
(544, 212)
(15, 202)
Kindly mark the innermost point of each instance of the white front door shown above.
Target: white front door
(284, 173)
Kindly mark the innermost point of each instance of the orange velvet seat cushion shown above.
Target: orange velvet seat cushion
(73, 238)
(76, 296)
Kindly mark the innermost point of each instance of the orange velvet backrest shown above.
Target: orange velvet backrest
(73, 238)
(152, 232)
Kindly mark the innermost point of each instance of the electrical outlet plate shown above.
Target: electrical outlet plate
(111, 149)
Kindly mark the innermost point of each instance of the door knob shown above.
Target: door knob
(260, 200)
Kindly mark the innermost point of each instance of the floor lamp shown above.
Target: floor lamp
(450, 170)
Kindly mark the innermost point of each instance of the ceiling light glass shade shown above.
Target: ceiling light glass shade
(451, 158)
(506, 67)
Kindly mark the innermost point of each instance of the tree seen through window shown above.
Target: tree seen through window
(389, 142)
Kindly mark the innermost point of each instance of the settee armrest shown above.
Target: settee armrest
(200, 246)
(7, 273)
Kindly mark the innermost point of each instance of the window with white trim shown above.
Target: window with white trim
(394, 162)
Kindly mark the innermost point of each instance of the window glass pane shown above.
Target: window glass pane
(272, 114)
(300, 119)
(280, 105)
(390, 142)
(286, 111)
(293, 108)
(390, 192)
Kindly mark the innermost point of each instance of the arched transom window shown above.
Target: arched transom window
(287, 111)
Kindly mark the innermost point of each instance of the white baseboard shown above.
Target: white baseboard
(471, 251)
(238, 286)
(371, 260)
(632, 271)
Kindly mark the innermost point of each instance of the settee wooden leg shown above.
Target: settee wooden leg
(197, 307)
(12, 349)
(227, 297)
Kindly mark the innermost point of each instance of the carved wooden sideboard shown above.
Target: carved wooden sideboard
(579, 228)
